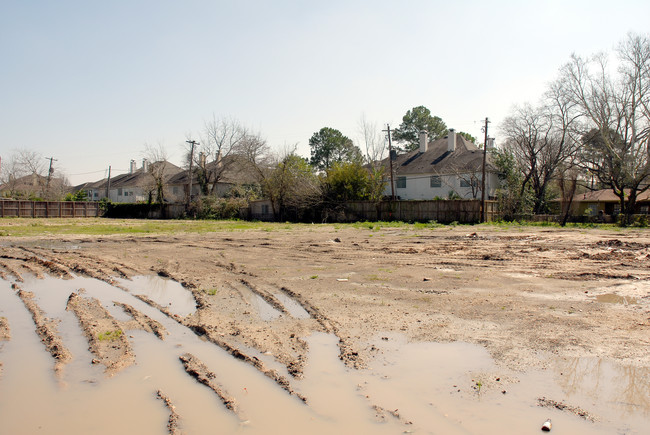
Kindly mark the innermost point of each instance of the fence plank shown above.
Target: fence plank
(46, 209)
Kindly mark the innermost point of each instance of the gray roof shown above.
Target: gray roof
(235, 170)
(134, 179)
(467, 157)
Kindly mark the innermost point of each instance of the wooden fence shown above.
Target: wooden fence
(49, 209)
(443, 211)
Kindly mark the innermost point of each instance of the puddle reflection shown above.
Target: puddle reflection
(625, 387)
(165, 292)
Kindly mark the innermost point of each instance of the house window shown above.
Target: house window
(175, 190)
(435, 181)
(265, 209)
(119, 191)
(617, 208)
(644, 209)
(464, 183)
(401, 182)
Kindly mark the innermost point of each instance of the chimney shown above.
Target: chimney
(490, 143)
(219, 162)
(423, 141)
(202, 159)
(145, 165)
(132, 167)
(451, 140)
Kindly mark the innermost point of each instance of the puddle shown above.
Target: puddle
(294, 308)
(417, 382)
(165, 292)
(422, 381)
(264, 309)
(613, 298)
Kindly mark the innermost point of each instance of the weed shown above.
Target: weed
(211, 292)
(313, 277)
(110, 335)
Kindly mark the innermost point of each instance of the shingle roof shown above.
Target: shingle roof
(135, 179)
(466, 157)
(236, 170)
(607, 195)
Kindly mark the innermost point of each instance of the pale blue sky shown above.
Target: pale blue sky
(89, 83)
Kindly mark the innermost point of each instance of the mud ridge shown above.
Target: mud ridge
(11, 271)
(145, 322)
(174, 418)
(549, 403)
(382, 413)
(36, 272)
(211, 336)
(199, 371)
(46, 329)
(5, 330)
(105, 335)
(51, 266)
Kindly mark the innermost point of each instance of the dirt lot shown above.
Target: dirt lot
(537, 303)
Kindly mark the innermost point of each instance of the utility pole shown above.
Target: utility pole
(193, 143)
(485, 143)
(108, 183)
(390, 160)
(49, 173)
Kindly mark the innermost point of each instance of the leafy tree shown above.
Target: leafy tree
(292, 184)
(467, 136)
(346, 182)
(511, 198)
(416, 120)
(329, 145)
(79, 195)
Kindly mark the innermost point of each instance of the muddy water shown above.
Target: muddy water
(294, 308)
(417, 382)
(165, 292)
(613, 298)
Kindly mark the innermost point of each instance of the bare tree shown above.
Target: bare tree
(25, 173)
(617, 112)
(374, 142)
(158, 169)
(540, 139)
(374, 146)
(222, 137)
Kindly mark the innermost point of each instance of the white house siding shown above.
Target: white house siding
(418, 186)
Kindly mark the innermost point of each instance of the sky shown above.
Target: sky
(91, 83)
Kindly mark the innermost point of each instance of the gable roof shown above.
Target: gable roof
(607, 195)
(466, 157)
(137, 178)
(236, 170)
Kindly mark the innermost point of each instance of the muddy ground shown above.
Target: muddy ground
(530, 297)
